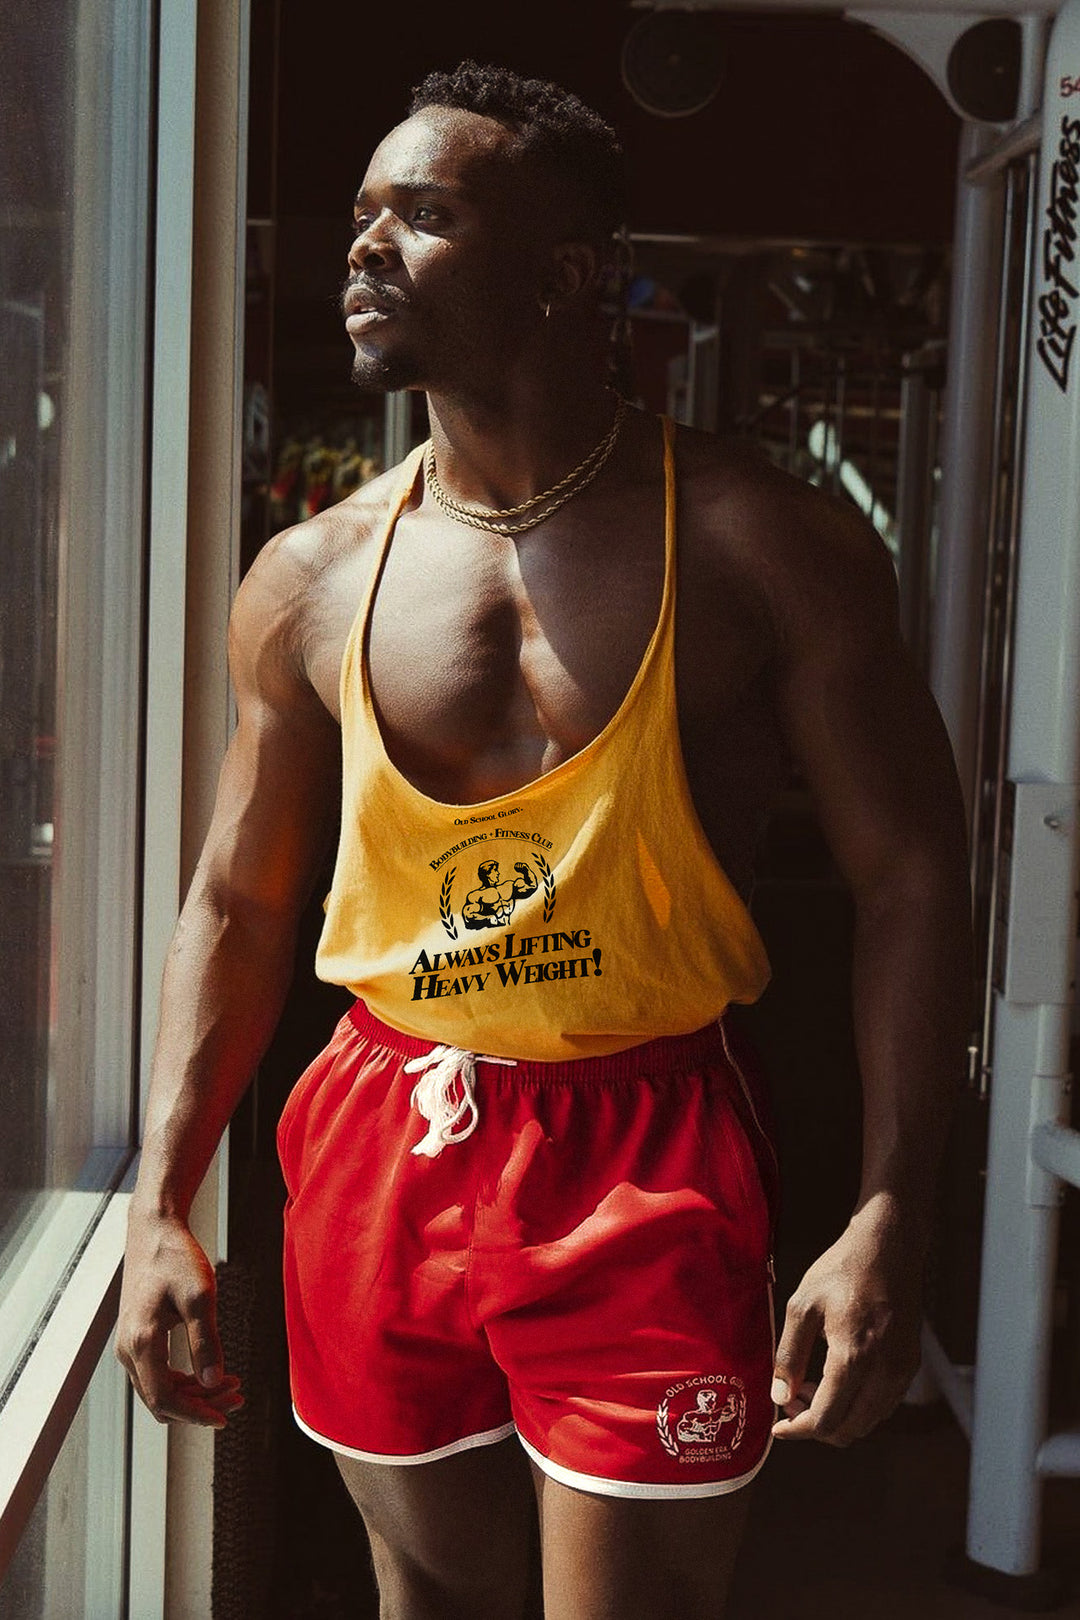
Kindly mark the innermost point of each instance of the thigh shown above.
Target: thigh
(451, 1538)
(618, 1558)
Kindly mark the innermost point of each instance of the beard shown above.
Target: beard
(385, 373)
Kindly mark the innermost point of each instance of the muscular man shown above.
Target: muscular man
(610, 638)
(493, 902)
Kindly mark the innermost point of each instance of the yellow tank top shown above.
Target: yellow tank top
(579, 915)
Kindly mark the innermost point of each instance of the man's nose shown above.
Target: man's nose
(372, 248)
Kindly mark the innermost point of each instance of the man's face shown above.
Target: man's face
(445, 268)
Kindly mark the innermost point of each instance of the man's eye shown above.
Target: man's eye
(358, 226)
(423, 213)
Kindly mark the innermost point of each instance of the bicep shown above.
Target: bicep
(278, 794)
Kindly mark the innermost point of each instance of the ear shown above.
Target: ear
(576, 269)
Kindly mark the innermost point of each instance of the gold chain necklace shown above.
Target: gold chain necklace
(497, 520)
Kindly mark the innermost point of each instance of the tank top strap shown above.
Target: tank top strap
(665, 628)
(356, 641)
(651, 697)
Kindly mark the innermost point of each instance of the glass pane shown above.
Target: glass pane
(70, 1560)
(73, 231)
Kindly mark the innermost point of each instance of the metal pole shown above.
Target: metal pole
(1012, 1354)
(912, 515)
(1009, 556)
(396, 439)
(1017, 142)
(873, 472)
(793, 400)
(978, 8)
(967, 469)
(840, 425)
(1032, 1012)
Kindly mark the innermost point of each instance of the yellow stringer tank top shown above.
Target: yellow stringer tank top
(579, 915)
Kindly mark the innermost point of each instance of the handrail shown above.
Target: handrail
(43, 1402)
(1057, 1148)
(1016, 143)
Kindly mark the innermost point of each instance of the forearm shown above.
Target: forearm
(226, 978)
(912, 1004)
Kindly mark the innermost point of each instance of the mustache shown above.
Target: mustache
(367, 288)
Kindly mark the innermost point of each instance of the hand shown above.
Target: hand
(168, 1280)
(524, 868)
(864, 1297)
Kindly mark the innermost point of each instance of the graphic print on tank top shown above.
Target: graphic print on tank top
(579, 915)
(513, 959)
(491, 904)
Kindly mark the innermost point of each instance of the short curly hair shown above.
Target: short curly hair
(555, 128)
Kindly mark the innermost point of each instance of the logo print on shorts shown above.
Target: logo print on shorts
(708, 1415)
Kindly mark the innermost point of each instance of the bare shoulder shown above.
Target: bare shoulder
(281, 609)
(815, 564)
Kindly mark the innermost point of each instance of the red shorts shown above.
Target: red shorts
(588, 1267)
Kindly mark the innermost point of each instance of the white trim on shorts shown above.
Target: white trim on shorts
(489, 1438)
(625, 1487)
(622, 1487)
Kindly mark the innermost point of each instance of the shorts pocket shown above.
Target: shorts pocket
(755, 1195)
(286, 1128)
(764, 1168)
(294, 1114)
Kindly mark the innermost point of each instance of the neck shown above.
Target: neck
(508, 447)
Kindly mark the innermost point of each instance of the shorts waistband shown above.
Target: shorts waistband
(665, 1057)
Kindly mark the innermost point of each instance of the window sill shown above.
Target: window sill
(51, 1384)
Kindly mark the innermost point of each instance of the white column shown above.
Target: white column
(1033, 1002)
(966, 446)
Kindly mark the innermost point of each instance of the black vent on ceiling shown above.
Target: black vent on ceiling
(984, 70)
(673, 61)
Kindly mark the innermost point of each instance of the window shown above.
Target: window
(70, 1560)
(74, 234)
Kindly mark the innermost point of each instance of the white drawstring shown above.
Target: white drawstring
(433, 1096)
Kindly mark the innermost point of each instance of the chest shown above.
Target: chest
(491, 660)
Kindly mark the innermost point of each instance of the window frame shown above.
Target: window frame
(58, 1308)
(194, 112)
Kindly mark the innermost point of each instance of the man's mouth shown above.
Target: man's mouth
(364, 308)
(360, 319)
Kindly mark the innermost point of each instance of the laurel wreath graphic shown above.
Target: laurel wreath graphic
(665, 1433)
(737, 1436)
(549, 885)
(444, 904)
(671, 1447)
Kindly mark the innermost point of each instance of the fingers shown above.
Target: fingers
(802, 1325)
(217, 1404)
(858, 1390)
(800, 1400)
(179, 1398)
(862, 1298)
(839, 1416)
(829, 1404)
(204, 1345)
(171, 1395)
(181, 1293)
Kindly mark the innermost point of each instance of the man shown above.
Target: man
(575, 1253)
(492, 903)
